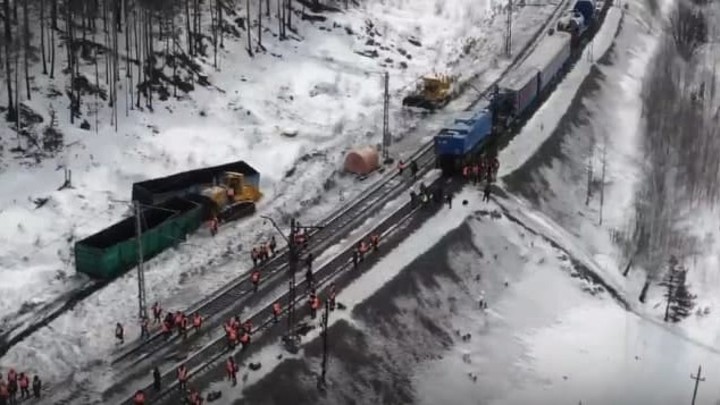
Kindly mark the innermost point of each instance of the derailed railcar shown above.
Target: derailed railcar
(459, 142)
(114, 250)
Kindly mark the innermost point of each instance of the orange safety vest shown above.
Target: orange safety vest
(12, 376)
(315, 303)
(230, 367)
(165, 327)
(363, 247)
(197, 321)
(277, 309)
(24, 382)
(139, 398)
(182, 373)
(255, 277)
(245, 338)
(232, 335)
(4, 391)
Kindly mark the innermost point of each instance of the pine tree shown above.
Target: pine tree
(683, 302)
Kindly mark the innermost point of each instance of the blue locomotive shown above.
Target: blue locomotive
(518, 93)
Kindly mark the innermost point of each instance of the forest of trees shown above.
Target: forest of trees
(145, 49)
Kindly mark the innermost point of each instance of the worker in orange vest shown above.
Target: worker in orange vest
(231, 369)
(166, 330)
(184, 326)
(247, 326)
(4, 393)
(214, 226)
(362, 249)
(255, 278)
(314, 303)
(195, 398)
(400, 166)
(157, 312)
(24, 383)
(197, 321)
(139, 398)
(375, 241)
(231, 336)
(277, 310)
(182, 376)
(144, 328)
(245, 340)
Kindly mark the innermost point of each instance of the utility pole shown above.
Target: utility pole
(508, 30)
(291, 339)
(142, 305)
(697, 382)
(323, 372)
(386, 122)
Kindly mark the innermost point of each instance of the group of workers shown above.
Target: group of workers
(363, 247)
(261, 254)
(401, 165)
(237, 332)
(486, 167)
(178, 320)
(18, 384)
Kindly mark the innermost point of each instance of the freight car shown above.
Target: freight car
(522, 89)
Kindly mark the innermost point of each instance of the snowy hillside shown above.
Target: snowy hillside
(316, 85)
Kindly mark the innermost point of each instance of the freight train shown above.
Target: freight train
(520, 92)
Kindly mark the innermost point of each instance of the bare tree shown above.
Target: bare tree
(42, 35)
(249, 30)
(260, 46)
(8, 54)
(26, 50)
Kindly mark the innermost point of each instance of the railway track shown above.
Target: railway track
(263, 319)
(335, 226)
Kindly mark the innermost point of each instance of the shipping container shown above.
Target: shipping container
(549, 57)
(114, 250)
(522, 85)
(157, 190)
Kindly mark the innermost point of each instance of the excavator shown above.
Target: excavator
(432, 92)
(232, 198)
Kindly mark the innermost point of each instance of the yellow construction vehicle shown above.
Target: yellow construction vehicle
(233, 197)
(433, 91)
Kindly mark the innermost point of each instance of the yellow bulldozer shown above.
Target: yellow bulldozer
(432, 92)
(233, 197)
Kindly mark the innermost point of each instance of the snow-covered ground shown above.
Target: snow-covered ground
(317, 86)
(414, 332)
(547, 164)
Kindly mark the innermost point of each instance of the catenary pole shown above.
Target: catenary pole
(698, 380)
(142, 305)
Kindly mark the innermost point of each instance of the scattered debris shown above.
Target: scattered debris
(40, 202)
(414, 41)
